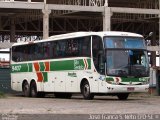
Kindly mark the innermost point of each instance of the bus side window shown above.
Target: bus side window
(46, 49)
(97, 53)
(37, 52)
(25, 54)
(86, 47)
(15, 54)
(52, 49)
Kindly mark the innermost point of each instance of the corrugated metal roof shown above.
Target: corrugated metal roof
(6, 45)
(153, 48)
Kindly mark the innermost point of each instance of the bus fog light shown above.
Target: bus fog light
(146, 82)
(109, 88)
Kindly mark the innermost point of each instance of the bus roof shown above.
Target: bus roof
(82, 34)
(108, 33)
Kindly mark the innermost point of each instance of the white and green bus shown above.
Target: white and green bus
(91, 63)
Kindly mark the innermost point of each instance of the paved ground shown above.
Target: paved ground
(76, 105)
(136, 104)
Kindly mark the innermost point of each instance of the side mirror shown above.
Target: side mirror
(149, 35)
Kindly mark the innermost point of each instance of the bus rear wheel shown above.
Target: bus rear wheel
(123, 96)
(33, 90)
(85, 89)
(26, 89)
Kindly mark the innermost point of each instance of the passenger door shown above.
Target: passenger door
(97, 55)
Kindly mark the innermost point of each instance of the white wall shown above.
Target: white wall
(4, 55)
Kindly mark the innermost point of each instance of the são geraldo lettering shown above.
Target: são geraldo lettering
(77, 66)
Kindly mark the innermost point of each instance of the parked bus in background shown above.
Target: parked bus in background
(91, 63)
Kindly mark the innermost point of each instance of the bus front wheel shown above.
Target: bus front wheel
(85, 89)
(26, 90)
(123, 96)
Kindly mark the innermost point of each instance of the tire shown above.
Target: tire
(123, 96)
(26, 89)
(34, 93)
(33, 90)
(85, 89)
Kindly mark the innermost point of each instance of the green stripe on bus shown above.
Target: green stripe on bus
(77, 64)
(42, 67)
(130, 79)
(30, 67)
(61, 65)
(20, 68)
(45, 76)
(142, 79)
(89, 63)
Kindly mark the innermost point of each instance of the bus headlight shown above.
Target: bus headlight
(145, 82)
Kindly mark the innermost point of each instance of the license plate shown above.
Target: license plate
(130, 89)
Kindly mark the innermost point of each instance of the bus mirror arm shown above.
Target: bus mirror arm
(104, 59)
(101, 54)
(149, 35)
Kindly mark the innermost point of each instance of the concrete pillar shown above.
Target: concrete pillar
(159, 36)
(159, 32)
(107, 17)
(12, 30)
(153, 43)
(0, 23)
(46, 13)
(106, 3)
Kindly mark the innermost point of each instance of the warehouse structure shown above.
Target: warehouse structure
(22, 20)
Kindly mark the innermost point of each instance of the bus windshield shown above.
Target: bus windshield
(124, 42)
(126, 57)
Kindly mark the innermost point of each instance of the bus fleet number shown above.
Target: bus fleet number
(16, 68)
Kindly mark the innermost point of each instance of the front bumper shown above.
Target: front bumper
(127, 88)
